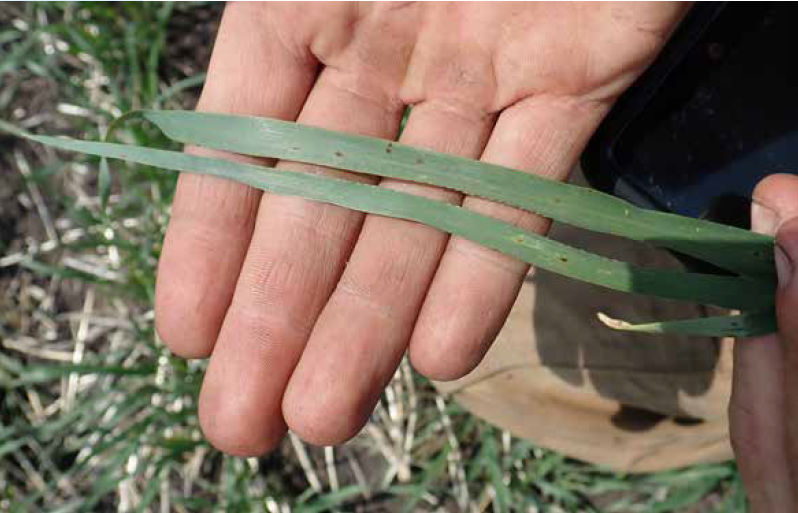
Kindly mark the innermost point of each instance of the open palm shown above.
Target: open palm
(306, 309)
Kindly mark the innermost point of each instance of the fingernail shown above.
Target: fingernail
(763, 219)
(783, 266)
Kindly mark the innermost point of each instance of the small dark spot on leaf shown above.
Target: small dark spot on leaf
(557, 200)
(563, 260)
(295, 148)
(389, 148)
(419, 161)
(339, 154)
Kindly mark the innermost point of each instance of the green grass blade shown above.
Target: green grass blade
(724, 291)
(104, 183)
(330, 500)
(749, 324)
(730, 248)
(45, 372)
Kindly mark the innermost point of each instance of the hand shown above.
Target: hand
(306, 309)
(763, 412)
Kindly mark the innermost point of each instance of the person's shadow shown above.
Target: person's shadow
(649, 376)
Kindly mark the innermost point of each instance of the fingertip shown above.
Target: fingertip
(331, 394)
(440, 354)
(460, 320)
(777, 192)
(237, 443)
(187, 316)
(178, 328)
(320, 420)
(773, 182)
(229, 427)
(180, 342)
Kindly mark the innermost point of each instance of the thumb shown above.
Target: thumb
(786, 256)
(775, 212)
(758, 411)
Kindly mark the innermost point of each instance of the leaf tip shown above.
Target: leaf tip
(610, 322)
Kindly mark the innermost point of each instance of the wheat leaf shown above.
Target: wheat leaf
(730, 248)
(745, 293)
(725, 291)
(749, 324)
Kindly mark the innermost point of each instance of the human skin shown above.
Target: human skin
(763, 411)
(306, 309)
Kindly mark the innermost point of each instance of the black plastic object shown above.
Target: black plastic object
(716, 112)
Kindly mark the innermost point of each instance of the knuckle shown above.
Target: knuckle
(268, 335)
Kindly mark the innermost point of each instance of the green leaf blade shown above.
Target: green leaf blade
(730, 248)
(748, 324)
(724, 291)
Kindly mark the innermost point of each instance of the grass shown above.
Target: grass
(97, 415)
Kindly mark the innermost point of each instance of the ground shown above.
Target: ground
(97, 415)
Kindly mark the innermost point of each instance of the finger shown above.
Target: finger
(212, 219)
(787, 306)
(756, 422)
(474, 287)
(294, 260)
(346, 365)
(780, 193)
(757, 407)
